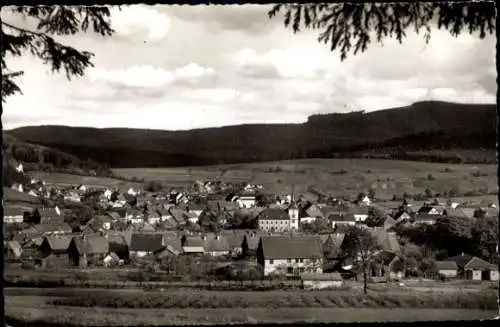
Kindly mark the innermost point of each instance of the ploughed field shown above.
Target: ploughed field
(120, 308)
(335, 176)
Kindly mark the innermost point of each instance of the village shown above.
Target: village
(239, 229)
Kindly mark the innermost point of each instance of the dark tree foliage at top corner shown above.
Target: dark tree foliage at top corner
(51, 22)
(348, 27)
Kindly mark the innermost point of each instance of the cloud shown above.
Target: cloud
(250, 19)
(218, 95)
(140, 22)
(292, 62)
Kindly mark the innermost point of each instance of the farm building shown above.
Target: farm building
(50, 216)
(276, 219)
(321, 281)
(474, 268)
(12, 215)
(143, 244)
(88, 249)
(290, 255)
(193, 245)
(337, 219)
(447, 269)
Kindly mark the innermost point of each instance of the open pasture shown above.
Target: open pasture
(336, 176)
(64, 180)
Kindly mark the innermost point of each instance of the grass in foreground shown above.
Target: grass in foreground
(205, 300)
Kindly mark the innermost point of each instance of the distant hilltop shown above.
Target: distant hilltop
(423, 126)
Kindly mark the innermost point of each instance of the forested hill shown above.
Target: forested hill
(419, 127)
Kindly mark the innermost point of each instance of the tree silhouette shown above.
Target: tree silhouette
(347, 26)
(51, 21)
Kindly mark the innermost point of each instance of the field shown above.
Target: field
(60, 179)
(179, 307)
(335, 176)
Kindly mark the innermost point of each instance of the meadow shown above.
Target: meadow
(120, 308)
(67, 180)
(336, 177)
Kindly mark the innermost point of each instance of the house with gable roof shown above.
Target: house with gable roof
(473, 268)
(290, 255)
(143, 244)
(88, 249)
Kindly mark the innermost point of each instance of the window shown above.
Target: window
(296, 260)
(289, 270)
(301, 260)
(271, 261)
(289, 260)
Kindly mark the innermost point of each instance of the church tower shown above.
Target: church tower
(293, 214)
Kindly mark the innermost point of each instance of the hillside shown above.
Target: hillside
(420, 127)
(40, 157)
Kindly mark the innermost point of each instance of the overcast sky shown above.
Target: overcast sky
(183, 67)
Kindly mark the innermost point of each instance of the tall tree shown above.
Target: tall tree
(361, 245)
(349, 27)
(51, 22)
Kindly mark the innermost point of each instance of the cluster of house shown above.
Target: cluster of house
(139, 223)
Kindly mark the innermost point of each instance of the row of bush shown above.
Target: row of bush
(199, 300)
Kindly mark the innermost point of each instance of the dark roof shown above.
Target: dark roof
(216, 245)
(290, 247)
(13, 211)
(193, 241)
(92, 245)
(51, 228)
(427, 217)
(59, 242)
(146, 242)
(446, 265)
(252, 241)
(387, 240)
(461, 260)
(47, 212)
(359, 210)
(480, 264)
(197, 206)
(341, 217)
(455, 213)
(273, 214)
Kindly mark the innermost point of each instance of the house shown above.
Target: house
(246, 200)
(365, 201)
(290, 255)
(447, 269)
(111, 260)
(235, 242)
(192, 217)
(307, 220)
(72, 196)
(13, 250)
(312, 210)
(193, 245)
(17, 187)
(143, 244)
(179, 215)
(403, 216)
(430, 210)
(474, 268)
(276, 219)
(154, 218)
(50, 216)
(360, 213)
(52, 229)
(427, 219)
(13, 215)
(337, 220)
(56, 246)
(88, 250)
(331, 245)
(99, 223)
(172, 244)
(321, 281)
(216, 245)
(82, 188)
(389, 222)
(387, 241)
(118, 245)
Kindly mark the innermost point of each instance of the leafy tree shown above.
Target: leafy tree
(360, 196)
(51, 21)
(485, 236)
(348, 26)
(376, 218)
(209, 220)
(362, 246)
(316, 227)
(153, 186)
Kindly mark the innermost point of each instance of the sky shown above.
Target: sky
(185, 67)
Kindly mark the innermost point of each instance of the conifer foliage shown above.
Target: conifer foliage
(42, 42)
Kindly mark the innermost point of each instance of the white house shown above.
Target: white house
(108, 193)
(448, 269)
(12, 215)
(142, 244)
(18, 187)
(131, 191)
(366, 201)
(290, 255)
(82, 188)
(246, 201)
(20, 168)
(193, 245)
(339, 219)
(307, 220)
(32, 193)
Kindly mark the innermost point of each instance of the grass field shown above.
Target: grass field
(60, 179)
(335, 176)
(252, 307)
